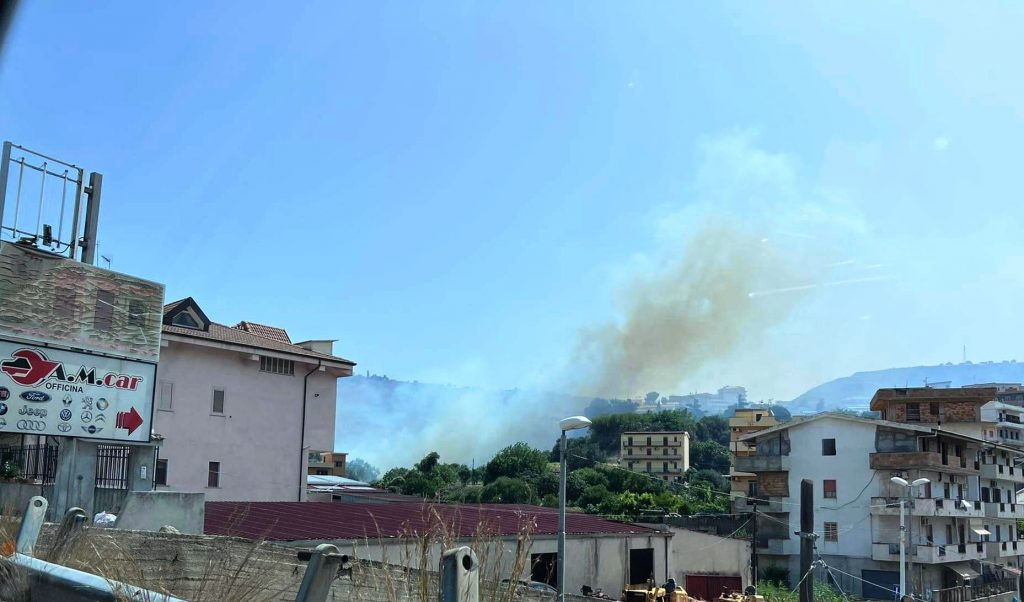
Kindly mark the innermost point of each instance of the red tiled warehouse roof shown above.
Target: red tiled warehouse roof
(305, 521)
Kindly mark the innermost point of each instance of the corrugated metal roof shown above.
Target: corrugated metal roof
(302, 521)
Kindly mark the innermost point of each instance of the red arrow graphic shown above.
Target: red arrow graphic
(129, 420)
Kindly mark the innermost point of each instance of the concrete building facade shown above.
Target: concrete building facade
(663, 454)
(743, 485)
(327, 463)
(239, 408)
(957, 532)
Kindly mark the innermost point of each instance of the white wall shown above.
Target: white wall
(256, 440)
(697, 553)
(855, 482)
(600, 561)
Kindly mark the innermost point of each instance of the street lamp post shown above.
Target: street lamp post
(567, 424)
(908, 487)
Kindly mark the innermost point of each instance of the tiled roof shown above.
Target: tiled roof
(237, 336)
(325, 521)
(224, 334)
(271, 332)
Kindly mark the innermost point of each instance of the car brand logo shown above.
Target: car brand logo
(86, 416)
(65, 414)
(92, 429)
(28, 367)
(5, 393)
(27, 411)
(102, 404)
(35, 396)
(68, 400)
(87, 403)
(63, 427)
(3, 423)
(100, 418)
(3, 408)
(31, 425)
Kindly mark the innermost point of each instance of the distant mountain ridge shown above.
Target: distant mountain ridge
(855, 391)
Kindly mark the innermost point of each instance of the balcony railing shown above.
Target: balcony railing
(966, 593)
(929, 507)
(922, 460)
(1001, 471)
(762, 463)
(1004, 510)
(929, 554)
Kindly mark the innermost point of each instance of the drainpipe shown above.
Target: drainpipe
(302, 428)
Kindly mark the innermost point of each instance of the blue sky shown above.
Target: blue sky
(455, 190)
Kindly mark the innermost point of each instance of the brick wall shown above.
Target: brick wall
(935, 412)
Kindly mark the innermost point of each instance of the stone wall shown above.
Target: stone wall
(773, 484)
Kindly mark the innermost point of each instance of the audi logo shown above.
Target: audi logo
(31, 425)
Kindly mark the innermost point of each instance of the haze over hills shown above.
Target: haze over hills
(855, 391)
(465, 424)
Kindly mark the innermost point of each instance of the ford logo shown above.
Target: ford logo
(36, 396)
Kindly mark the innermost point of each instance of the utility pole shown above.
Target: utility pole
(753, 541)
(806, 539)
(903, 549)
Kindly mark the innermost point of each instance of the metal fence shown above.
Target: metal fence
(965, 593)
(111, 478)
(38, 463)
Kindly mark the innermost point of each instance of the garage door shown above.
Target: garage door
(880, 585)
(709, 587)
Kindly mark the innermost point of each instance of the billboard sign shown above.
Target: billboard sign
(50, 299)
(46, 391)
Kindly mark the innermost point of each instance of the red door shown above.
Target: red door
(709, 587)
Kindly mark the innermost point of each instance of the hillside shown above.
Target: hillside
(855, 391)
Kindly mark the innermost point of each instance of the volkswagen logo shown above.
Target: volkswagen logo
(31, 425)
(35, 396)
(65, 414)
(63, 427)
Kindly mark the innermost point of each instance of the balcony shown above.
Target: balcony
(1004, 510)
(762, 463)
(1001, 471)
(929, 554)
(1008, 549)
(922, 460)
(890, 506)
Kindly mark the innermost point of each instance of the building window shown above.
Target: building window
(913, 412)
(213, 478)
(630, 442)
(664, 451)
(831, 531)
(339, 463)
(136, 313)
(828, 447)
(751, 488)
(160, 478)
(664, 467)
(276, 365)
(64, 301)
(933, 407)
(103, 319)
(648, 467)
(218, 401)
(830, 488)
(185, 320)
(166, 398)
(757, 417)
(648, 441)
(666, 440)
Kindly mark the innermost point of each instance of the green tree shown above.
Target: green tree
(427, 464)
(593, 496)
(709, 455)
(506, 490)
(580, 452)
(517, 461)
(715, 479)
(713, 428)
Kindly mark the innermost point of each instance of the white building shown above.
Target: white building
(239, 408)
(960, 534)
